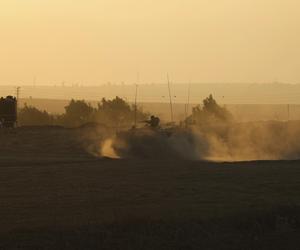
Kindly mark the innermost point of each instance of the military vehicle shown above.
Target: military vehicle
(151, 141)
(8, 112)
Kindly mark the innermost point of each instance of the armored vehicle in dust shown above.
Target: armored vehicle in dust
(8, 112)
(152, 142)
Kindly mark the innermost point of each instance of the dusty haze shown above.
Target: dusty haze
(51, 41)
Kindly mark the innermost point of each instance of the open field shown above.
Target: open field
(54, 195)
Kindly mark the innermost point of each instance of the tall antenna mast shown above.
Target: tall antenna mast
(135, 105)
(170, 96)
(188, 101)
(135, 99)
(17, 104)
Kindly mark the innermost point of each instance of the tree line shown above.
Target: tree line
(116, 112)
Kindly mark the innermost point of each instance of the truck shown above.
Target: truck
(8, 112)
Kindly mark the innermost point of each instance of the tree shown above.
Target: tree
(211, 111)
(117, 112)
(77, 113)
(31, 116)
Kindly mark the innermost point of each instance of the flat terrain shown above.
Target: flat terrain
(54, 195)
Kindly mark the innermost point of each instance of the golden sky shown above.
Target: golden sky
(96, 41)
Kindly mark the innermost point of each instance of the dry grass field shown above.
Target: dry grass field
(55, 195)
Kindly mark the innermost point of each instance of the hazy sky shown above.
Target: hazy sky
(96, 41)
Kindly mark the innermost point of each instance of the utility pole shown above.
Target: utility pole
(170, 96)
(18, 93)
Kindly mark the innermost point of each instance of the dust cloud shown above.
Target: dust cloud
(107, 150)
(220, 142)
